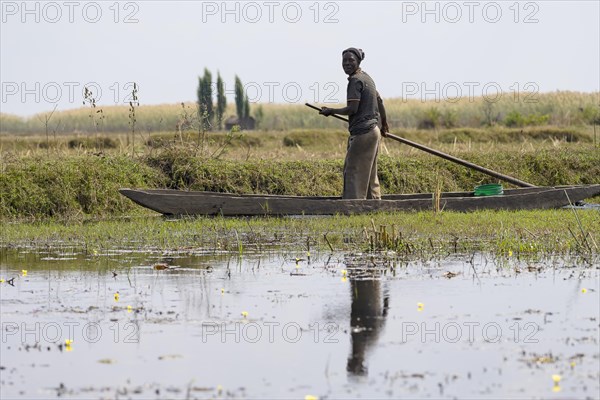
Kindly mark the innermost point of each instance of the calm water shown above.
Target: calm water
(266, 326)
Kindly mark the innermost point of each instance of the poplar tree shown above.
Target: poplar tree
(221, 100)
(205, 101)
(239, 97)
(246, 107)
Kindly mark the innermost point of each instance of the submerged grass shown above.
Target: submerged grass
(416, 234)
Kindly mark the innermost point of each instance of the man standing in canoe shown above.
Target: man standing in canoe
(367, 123)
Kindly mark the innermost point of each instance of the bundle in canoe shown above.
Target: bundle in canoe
(176, 202)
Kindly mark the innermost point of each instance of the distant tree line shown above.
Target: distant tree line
(212, 116)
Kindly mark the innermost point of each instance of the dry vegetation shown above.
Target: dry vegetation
(564, 109)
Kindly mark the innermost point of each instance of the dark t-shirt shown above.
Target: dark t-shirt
(362, 88)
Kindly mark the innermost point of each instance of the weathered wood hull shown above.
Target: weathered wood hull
(175, 202)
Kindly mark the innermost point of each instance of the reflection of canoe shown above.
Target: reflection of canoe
(176, 202)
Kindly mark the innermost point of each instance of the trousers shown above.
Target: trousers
(360, 166)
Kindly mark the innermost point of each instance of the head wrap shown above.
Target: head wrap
(360, 55)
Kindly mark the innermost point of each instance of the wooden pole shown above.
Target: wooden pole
(445, 156)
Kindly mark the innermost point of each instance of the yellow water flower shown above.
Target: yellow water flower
(68, 343)
(310, 397)
(245, 314)
(344, 272)
(24, 272)
(222, 290)
(308, 254)
(420, 306)
(117, 296)
(344, 279)
(556, 378)
(583, 290)
(556, 388)
(129, 309)
(1, 280)
(510, 253)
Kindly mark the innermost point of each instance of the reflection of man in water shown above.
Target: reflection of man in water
(367, 317)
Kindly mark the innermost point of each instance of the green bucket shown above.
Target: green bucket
(492, 189)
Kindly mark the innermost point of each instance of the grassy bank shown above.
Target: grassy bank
(70, 187)
(86, 184)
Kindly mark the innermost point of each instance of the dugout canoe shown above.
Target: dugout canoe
(177, 202)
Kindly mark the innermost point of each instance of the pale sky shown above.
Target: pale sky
(291, 51)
